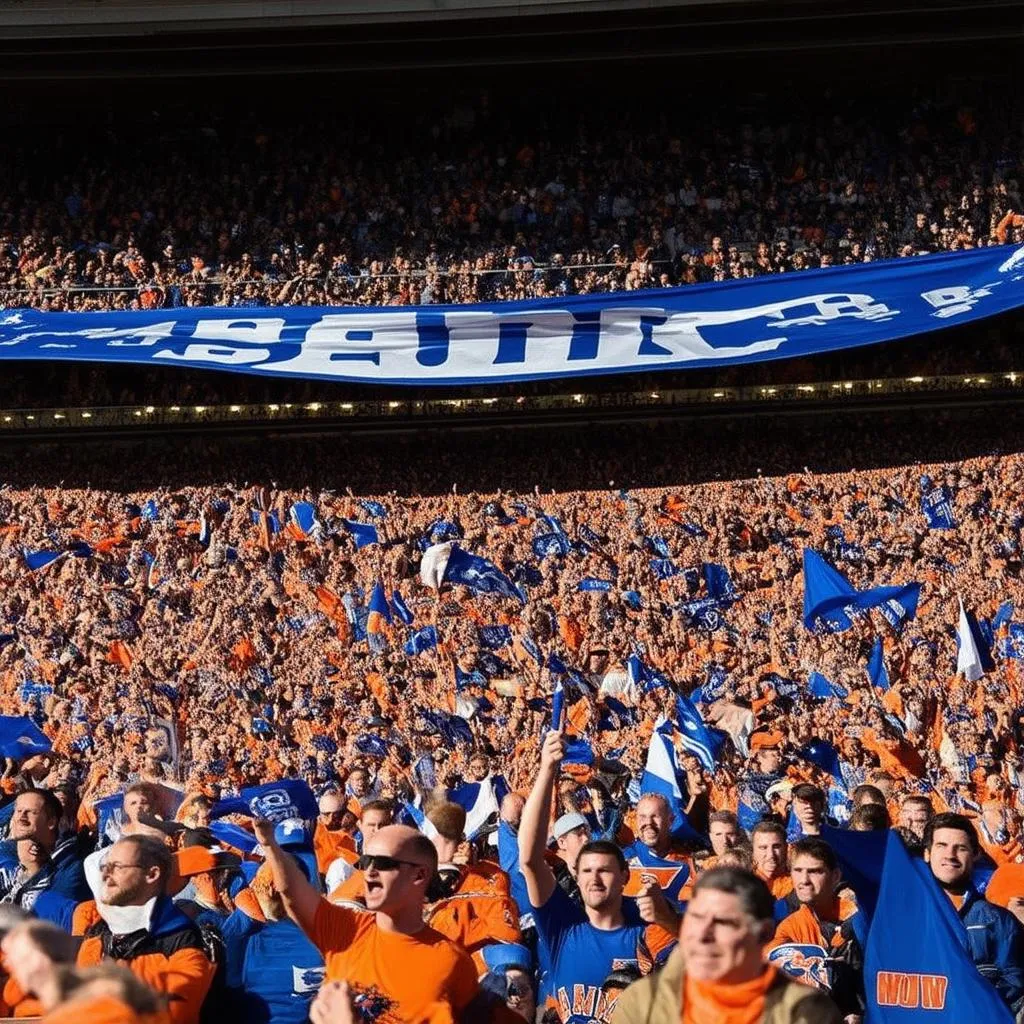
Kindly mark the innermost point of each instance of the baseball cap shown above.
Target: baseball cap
(291, 832)
(568, 823)
(506, 954)
(782, 786)
(766, 740)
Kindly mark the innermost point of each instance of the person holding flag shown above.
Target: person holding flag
(577, 948)
(995, 941)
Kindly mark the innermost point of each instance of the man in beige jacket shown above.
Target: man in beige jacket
(725, 980)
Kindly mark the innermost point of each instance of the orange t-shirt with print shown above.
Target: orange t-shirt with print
(401, 979)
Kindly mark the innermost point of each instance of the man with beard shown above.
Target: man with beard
(577, 948)
(142, 928)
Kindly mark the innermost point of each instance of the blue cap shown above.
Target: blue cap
(507, 954)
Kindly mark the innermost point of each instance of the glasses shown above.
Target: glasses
(113, 865)
(380, 862)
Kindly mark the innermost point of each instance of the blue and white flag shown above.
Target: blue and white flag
(302, 515)
(593, 584)
(643, 677)
(776, 316)
(557, 705)
(664, 775)
(401, 609)
(719, 583)
(937, 505)
(480, 802)
(830, 598)
(374, 509)
(696, 737)
(917, 965)
(21, 738)
(819, 686)
(480, 575)
(424, 639)
(274, 801)
(36, 560)
(969, 661)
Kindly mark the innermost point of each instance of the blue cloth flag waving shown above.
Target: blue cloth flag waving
(829, 597)
(916, 963)
(479, 575)
(20, 737)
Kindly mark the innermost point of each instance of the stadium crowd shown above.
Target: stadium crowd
(290, 763)
(481, 200)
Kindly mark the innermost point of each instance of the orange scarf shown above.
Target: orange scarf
(708, 1002)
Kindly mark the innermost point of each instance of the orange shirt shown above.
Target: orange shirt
(410, 975)
(329, 846)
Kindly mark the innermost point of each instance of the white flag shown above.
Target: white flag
(968, 661)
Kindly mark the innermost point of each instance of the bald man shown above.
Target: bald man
(332, 838)
(388, 954)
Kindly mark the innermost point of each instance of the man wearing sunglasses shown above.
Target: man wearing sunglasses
(389, 955)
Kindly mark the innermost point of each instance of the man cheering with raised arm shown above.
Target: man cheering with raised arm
(577, 948)
(399, 968)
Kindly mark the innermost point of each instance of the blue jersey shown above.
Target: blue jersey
(575, 958)
(671, 875)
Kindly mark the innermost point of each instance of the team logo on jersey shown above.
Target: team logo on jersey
(306, 980)
(804, 963)
(373, 1007)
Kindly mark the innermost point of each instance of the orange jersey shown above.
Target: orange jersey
(403, 979)
(479, 911)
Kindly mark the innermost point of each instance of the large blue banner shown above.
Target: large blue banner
(771, 317)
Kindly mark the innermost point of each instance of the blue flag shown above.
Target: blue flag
(861, 856)
(704, 743)
(275, 801)
(591, 583)
(480, 575)
(829, 597)
(422, 640)
(643, 676)
(664, 568)
(876, 667)
(363, 534)
(374, 509)
(20, 737)
(916, 962)
(40, 559)
(495, 637)
(664, 775)
(719, 583)
(819, 686)
(402, 610)
(937, 505)
(822, 754)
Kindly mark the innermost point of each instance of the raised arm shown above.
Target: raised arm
(301, 899)
(533, 828)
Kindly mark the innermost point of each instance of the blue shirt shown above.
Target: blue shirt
(274, 968)
(576, 958)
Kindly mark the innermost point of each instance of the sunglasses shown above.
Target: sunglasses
(381, 862)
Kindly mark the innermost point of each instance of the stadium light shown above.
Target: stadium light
(200, 408)
(805, 387)
(236, 408)
(916, 380)
(577, 398)
(313, 407)
(273, 408)
(346, 406)
(655, 395)
(719, 394)
(138, 412)
(7, 419)
(395, 405)
(848, 385)
(30, 417)
(175, 408)
(982, 380)
(150, 409)
(86, 415)
(58, 415)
